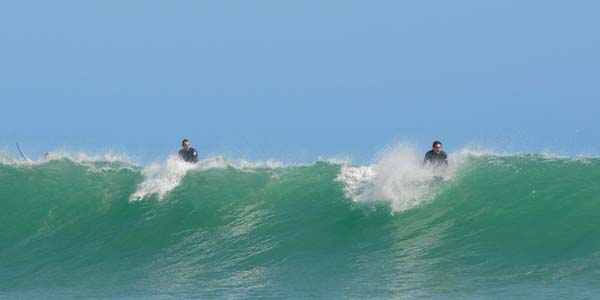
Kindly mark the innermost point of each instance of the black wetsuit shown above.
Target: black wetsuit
(190, 155)
(436, 159)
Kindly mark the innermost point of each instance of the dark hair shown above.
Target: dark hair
(435, 143)
(183, 142)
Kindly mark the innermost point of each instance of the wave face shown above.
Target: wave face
(494, 227)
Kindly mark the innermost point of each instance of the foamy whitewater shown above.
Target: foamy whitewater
(490, 226)
(398, 177)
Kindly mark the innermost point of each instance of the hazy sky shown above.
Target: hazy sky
(295, 80)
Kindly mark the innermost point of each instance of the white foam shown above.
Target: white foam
(336, 160)
(248, 166)
(160, 179)
(96, 162)
(466, 153)
(109, 160)
(398, 177)
(84, 158)
(7, 159)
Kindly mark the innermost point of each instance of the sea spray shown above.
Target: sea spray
(399, 177)
(160, 179)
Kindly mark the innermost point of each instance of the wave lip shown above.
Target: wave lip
(161, 179)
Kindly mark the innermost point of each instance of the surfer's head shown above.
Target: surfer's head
(437, 146)
(185, 144)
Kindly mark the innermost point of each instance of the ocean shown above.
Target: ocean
(490, 226)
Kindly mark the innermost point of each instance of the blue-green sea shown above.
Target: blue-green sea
(521, 226)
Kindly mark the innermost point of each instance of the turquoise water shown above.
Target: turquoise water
(496, 227)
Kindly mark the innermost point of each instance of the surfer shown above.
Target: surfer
(436, 156)
(188, 153)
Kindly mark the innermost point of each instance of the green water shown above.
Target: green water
(513, 227)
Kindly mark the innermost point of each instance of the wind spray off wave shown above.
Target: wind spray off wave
(398, 177)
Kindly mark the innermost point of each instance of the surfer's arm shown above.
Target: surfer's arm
(427, 158)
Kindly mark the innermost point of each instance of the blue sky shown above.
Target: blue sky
(295, 80)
